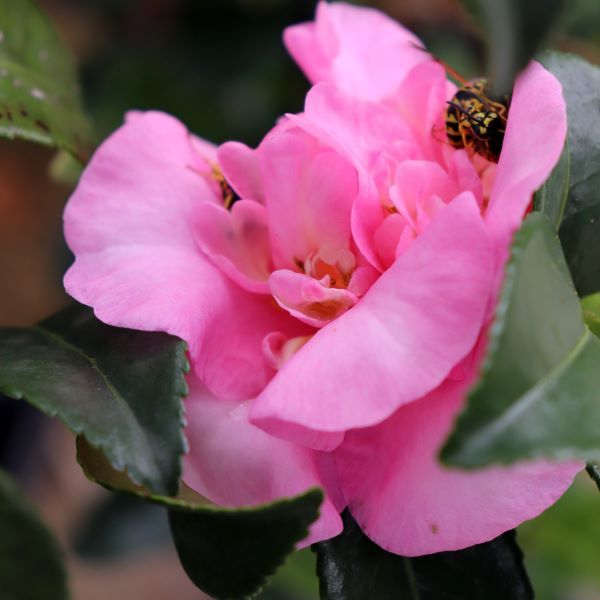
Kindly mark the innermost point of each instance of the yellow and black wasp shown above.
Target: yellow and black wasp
(474, 121)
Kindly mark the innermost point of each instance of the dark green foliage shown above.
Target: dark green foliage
(570, 197)
(227, 553)
(352, 567)
(121, 388)
(538, 394)
(39, 94)
(231, 553)
(31, 566)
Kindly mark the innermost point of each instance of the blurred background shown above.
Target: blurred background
(220, 66)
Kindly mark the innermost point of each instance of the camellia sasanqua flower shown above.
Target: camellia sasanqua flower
(334, 285)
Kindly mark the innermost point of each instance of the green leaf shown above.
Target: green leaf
(551, 199)
(65, 168)
(121, 388)
(591, 312)
(515, 30)
(570, 198)
(594, 472)
(98, 468)
(31, 566)
(538, 393)
(39, 95)
(227, 553)
(352, 567)
(231, 553)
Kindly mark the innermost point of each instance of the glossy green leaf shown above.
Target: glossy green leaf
(538, 393)
(31, 566)
(352, 567)
(591, 312)
(570, 198)
(231, 553)
(39, 95)
(551, 199)
(98, 468)
(227, 553)
(121, 388)
(515, 30)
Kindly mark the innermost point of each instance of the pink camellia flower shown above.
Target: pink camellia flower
(336, 313)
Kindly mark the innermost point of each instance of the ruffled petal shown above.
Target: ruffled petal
(133, 192)
(235, 464)
(419, 319)
(237, 241)
(534, 139)
(359, 130)
(361, 50)
(307, 299)
(130, 225)
(309, 192)
(241, 170)
(374, 138)
(409, 504)
(387, 237)
(421, 99)
(416, 182)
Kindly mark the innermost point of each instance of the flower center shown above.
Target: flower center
(333, 270)
(227, 192)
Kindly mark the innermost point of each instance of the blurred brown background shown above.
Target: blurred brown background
(220, 66)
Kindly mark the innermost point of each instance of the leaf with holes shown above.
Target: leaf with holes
(570, 197)
(31, 564)
(39, 95)
(121, 388)
(538, 393)
(351, 567)
(227, 553)
(515, 30)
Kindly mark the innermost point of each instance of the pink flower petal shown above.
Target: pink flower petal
(308, 299)
(129, 224)
(420, 100)
(234, 464)
(313, 45)
(135, 193)
(368, 214)
(362, 279)
(399, 342)
(237, 241)
(409, 504)
(388, 235)
(279, 348)
(416, 182)
(361, 50)
(359, 130)
(309, 192)
(461, 169)
(373, 138)
(241, 170)
(535, 136)
(421, 96)
(406, 239)
(207, 149)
